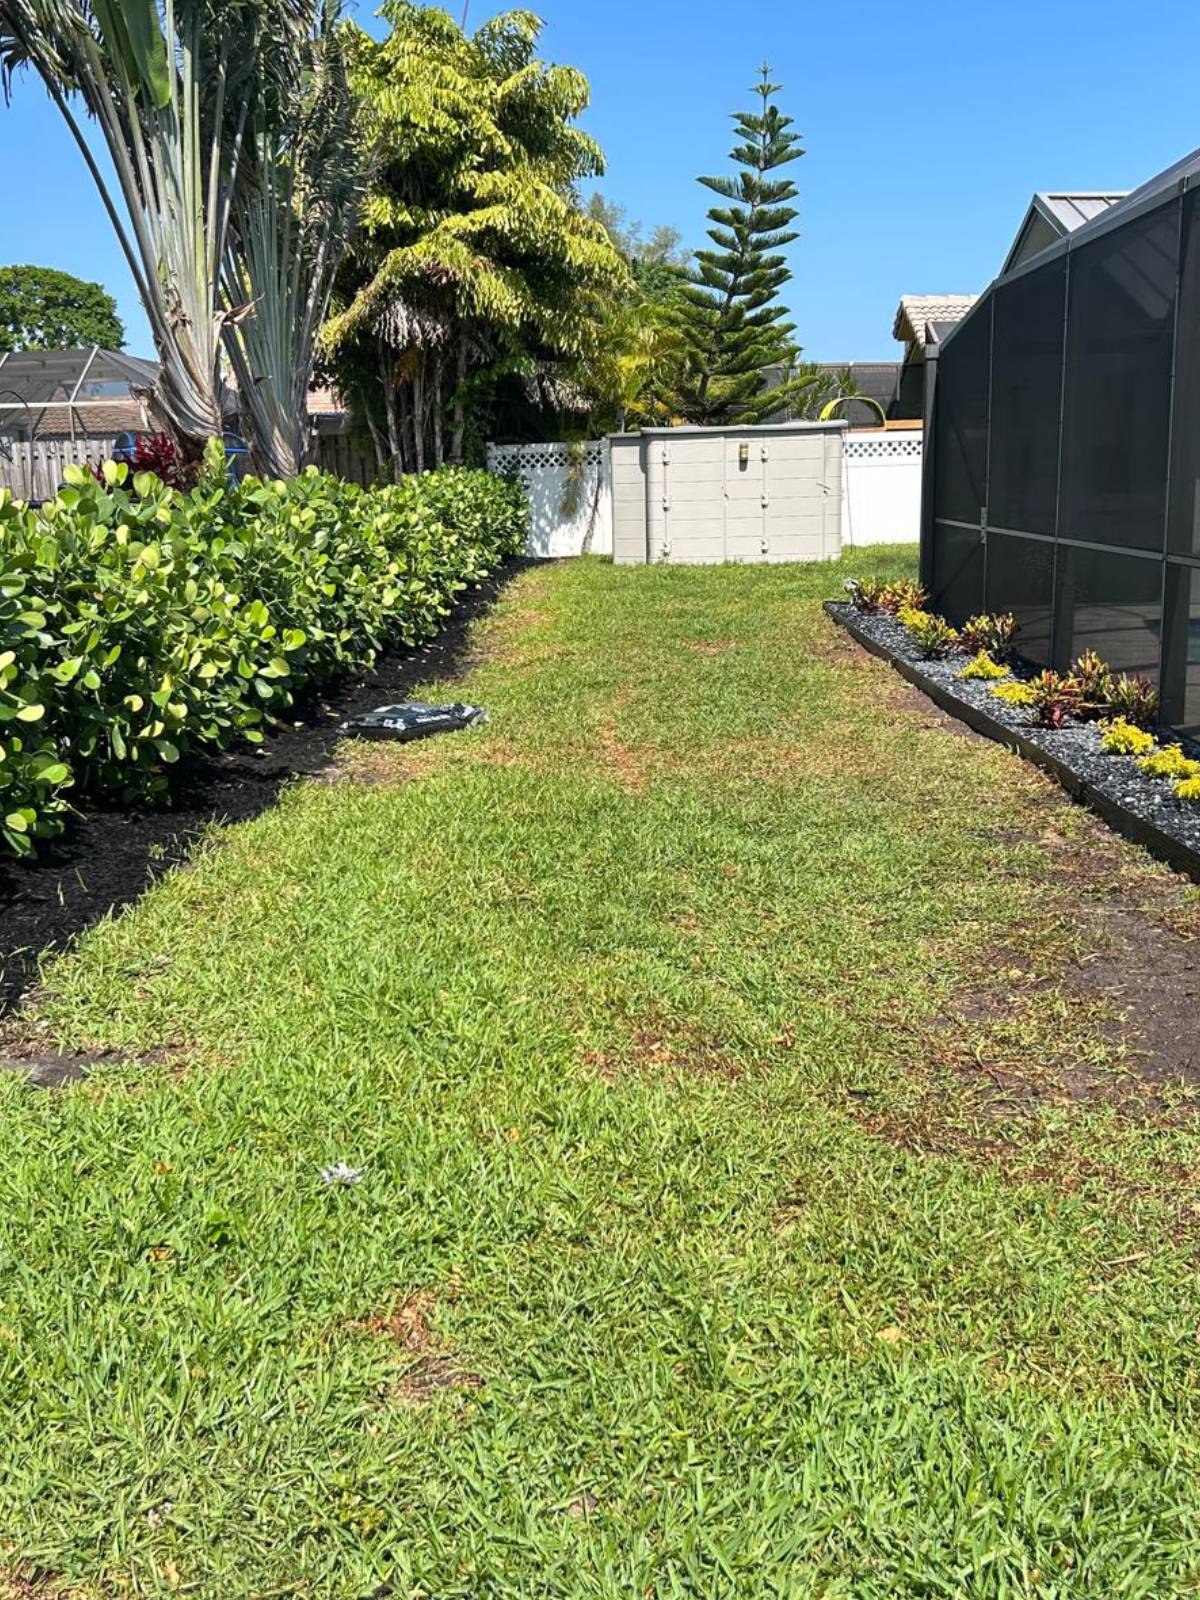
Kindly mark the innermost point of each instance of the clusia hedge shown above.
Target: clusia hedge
(138, 622)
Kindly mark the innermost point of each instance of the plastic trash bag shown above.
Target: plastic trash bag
(412, 719)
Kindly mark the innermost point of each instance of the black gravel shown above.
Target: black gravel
(1076, 746)
(109, 857)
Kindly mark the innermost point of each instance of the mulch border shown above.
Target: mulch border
(111, 854)
(1161, 844)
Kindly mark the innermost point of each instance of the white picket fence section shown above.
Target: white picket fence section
(570, 494)
(34, 471)
(882, 487)
(570, 491)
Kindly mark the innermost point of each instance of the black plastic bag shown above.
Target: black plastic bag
(412, 719)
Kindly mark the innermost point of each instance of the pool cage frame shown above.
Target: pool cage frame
(1062, 474)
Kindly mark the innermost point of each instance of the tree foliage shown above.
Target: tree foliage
(733, 324)
(204, 109)
(43, 309)
(474, 264)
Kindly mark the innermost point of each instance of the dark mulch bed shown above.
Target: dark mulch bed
(110, 856)
(1144, 809)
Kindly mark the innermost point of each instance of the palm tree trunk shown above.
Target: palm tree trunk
(439, 452)
(459, 423)
(418, 417)
(391, 411)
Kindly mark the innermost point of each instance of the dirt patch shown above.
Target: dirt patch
(29, 1048)
(429, 1366)
(667, 1052)
(622, 763)
(1129, 967)
(111, 856)
(18, 1585)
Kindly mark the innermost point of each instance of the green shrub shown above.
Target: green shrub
(912, 616)
(135, 626)
(982, 666)
(866, 594)
(870, 595)
(1188, 789)
(1121, 738)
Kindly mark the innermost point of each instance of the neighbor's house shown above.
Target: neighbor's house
(1052, 217)
(72, 394)
(1062, 474)
(921, 320)
(98, 394)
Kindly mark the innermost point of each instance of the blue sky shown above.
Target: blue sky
(928, 125)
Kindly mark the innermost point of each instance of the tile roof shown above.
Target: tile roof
(324, 403)
(915, 310)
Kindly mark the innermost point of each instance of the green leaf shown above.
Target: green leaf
(31, 713)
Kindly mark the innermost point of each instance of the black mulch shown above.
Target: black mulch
(109, 857)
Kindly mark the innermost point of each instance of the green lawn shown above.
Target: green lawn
(744, 1208)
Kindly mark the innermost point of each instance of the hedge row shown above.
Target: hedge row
(137, 622)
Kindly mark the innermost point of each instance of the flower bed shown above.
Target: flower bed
(138, 622)
(1111, 780)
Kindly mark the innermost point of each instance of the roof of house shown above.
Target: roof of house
(1052, 215)
(88, 392)
(75, 377)
(100, 421)
(325, 403)
(917, 310)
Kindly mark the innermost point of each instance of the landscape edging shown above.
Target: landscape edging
(1161, 844)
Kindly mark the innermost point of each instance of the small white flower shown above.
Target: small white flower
(340, 1173)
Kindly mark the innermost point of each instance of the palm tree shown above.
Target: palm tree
(473, 258)
(291, 221)
(195, 102)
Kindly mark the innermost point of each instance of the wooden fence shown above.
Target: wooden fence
(338, 453)
(34, 471)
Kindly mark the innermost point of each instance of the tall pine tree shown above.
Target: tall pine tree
(732, 324)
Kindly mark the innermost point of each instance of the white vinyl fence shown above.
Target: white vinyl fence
(34, 471)
(570, 494)
(882, 487)
(570, 489)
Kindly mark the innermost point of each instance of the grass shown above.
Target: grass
(696, 1251)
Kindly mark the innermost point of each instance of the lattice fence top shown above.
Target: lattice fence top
(524, 458)
(885, 447)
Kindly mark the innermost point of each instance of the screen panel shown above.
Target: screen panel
(1183, 523)
(1020, 579)
(1120, 326)
(1111, 603)
(1027, 358)
(957, 572)
(1181, 650)
(961, 420)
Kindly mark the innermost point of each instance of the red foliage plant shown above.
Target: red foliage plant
(156, 453)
